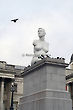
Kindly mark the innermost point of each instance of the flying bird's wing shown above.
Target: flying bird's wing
(14, 20)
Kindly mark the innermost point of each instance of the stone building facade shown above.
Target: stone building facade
(11, 73)
(8, 74)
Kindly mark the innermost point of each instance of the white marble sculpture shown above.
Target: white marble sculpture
(40, 46)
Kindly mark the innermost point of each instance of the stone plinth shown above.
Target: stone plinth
(44, 86)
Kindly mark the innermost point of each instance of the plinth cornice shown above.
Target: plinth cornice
(48, 61)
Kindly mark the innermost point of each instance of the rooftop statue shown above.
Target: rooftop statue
(40, 46)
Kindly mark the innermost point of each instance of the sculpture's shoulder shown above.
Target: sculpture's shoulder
(46, 43)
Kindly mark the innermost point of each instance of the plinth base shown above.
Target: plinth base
(46, 100)
(44, 86)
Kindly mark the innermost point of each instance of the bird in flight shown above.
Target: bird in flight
(14, 20)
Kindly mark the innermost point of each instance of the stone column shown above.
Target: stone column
(2, 94)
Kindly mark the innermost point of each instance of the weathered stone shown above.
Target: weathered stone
(44, 86)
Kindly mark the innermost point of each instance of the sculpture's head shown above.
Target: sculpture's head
(41, 32)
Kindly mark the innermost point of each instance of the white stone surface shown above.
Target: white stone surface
(40, 46)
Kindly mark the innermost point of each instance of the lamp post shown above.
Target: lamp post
(12, 90)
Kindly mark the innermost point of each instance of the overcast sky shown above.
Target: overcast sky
(55, 16)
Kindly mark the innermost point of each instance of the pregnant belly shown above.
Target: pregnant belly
(41, 52)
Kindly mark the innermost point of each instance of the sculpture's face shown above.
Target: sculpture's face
(41, 32)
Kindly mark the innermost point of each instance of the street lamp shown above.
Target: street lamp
(12, 90)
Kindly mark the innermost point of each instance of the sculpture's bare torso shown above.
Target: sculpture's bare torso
(40, 46)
